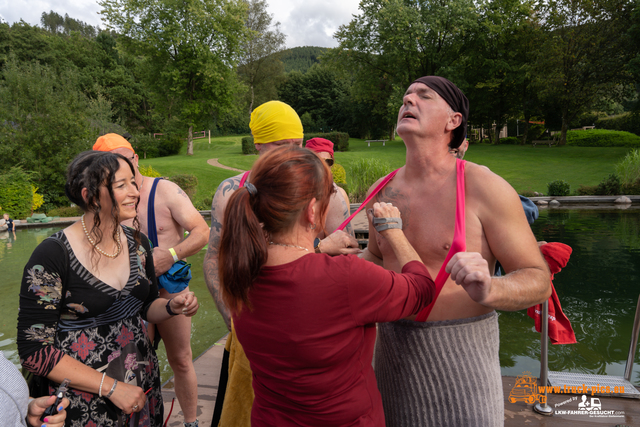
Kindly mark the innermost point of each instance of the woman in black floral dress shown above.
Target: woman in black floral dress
(85, 293)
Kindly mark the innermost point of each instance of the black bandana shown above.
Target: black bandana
(456, 100)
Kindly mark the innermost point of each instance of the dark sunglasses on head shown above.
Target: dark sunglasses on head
(329, 162)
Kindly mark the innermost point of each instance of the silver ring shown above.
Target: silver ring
(135, 407)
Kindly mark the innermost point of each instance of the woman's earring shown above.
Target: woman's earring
(312, 228)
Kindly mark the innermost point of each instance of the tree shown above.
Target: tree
(45, 121)
(189, 49)
(261, 67)
(585, 54)
(498, 63)
(321, 93)
(393, 42)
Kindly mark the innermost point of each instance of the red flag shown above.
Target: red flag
(560, 331)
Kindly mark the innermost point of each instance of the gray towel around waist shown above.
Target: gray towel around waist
(443, 373)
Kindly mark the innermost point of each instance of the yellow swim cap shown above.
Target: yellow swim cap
(275, 121)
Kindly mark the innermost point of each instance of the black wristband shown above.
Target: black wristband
(171, 313)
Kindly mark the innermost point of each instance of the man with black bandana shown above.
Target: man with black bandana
(461, 218)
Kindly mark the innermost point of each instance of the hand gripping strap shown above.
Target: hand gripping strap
(371, 196)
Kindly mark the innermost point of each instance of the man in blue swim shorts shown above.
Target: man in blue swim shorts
(165, 212)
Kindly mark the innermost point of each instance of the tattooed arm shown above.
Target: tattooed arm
(211, 277)
(184, 216)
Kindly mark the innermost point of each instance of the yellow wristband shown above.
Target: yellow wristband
(174, 255)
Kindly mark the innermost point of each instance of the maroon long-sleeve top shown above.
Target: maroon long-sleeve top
(310, 337)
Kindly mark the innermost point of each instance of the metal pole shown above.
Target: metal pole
(543, 408)
(634, 344)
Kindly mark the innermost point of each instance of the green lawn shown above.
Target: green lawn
(526, 168)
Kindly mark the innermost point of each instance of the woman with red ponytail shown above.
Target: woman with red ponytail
(307, 320)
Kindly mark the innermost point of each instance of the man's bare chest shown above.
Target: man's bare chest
(160, 215)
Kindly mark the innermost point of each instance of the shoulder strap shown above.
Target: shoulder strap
(459, 243)
(380, 186)
(151, 214)
(244, 178)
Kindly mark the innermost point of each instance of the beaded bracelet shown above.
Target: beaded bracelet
(101, 382)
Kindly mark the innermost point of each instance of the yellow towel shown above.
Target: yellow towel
(236, 409)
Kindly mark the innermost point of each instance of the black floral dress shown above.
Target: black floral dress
(95, 324)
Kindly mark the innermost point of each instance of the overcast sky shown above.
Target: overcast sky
(305, 22)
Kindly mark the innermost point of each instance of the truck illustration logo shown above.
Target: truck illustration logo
(526, 390)
(594, 405)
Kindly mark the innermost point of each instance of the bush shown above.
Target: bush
(558, 188)
(38, 199)
(340, 139)
(146, 146)
(339, 174)
(510, 140)
(536, 132)
(65, 211)
(248, 147)
(363, 174)
(587, 190)
(149, 171)
(187, 182)
(169, 145)
(16, 194)
(629, 122)
(631, 189)
(529, 194)
(203, 203)
(602, 138)
(629, 168)
(610, 186)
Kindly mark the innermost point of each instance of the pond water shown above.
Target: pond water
(598, 291)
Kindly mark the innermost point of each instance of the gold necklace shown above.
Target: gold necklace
(93, 242)
(288, 246)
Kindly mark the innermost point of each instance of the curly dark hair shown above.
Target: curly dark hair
(91, 170)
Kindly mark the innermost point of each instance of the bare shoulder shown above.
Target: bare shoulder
(225, 190)
(341, 192)
(487, 187)
(220, 200)
(172, 191)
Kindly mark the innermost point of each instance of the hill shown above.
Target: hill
(301, 58)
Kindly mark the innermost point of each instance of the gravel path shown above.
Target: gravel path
(216, 163)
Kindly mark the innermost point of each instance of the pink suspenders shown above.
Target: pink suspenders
(459, 243)
(244, 178)
(459, 237)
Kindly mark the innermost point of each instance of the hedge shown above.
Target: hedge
(340, 139)
(247, 145)
(510, 140)
(602, 138)
(629, 122)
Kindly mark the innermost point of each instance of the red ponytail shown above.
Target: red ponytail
(285, 180)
